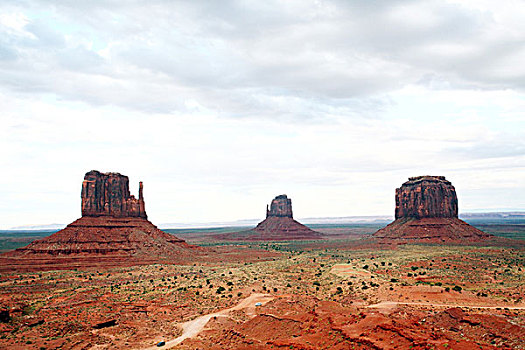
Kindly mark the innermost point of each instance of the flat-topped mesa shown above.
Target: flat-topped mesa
(107, 194)
(281, 207)
(426, 197)
(427, 211)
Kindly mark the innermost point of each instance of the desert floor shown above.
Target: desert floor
(343, 293)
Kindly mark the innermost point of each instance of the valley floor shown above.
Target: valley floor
(340, 294)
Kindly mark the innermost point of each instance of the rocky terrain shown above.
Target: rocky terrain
(113, 230)
(278, 225)
(427, 210)
(100, 241)
(285, 294)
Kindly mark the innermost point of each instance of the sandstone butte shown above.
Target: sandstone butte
(113, 229)
(427, 210)
(279, 225)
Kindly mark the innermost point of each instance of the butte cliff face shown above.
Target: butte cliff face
(279, 225)
(107, 194)
(426, 197)
(281, 206)
(113, 230)
(427, 210)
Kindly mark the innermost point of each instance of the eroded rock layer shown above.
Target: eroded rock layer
(281, 206)
(108, 194)
(305, 322)
(426, 197)
(106, 235)
(427, 210)
(278, 225)
(432, 230)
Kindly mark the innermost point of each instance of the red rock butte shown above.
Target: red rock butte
(113, 230)
(108, 195)
(279, 225)
(427, 210)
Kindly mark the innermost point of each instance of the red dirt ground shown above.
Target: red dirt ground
(302, 322)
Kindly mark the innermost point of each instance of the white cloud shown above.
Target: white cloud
(220, 106)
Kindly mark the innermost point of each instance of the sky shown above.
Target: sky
(219, 106)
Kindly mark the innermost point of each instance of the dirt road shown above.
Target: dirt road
(192, 328)
(392, 304)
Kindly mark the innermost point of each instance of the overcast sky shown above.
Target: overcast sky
(218, 106)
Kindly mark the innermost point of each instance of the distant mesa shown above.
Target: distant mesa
(113, 229)
(279, 225)
(427, 210)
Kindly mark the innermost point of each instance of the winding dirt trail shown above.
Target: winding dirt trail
(393, 304)
(192, 328)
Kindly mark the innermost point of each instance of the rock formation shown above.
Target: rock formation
(108, 195)
(426, 197)
(113, 230)
(281, 207)
(427, 210)
(278, 225)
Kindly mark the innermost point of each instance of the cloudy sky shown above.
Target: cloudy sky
(218, 106)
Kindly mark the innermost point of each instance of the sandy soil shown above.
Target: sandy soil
(192, 328)
(345, 270)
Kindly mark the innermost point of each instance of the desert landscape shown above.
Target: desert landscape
(345, 287)
(345, 293)
(253, 175)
